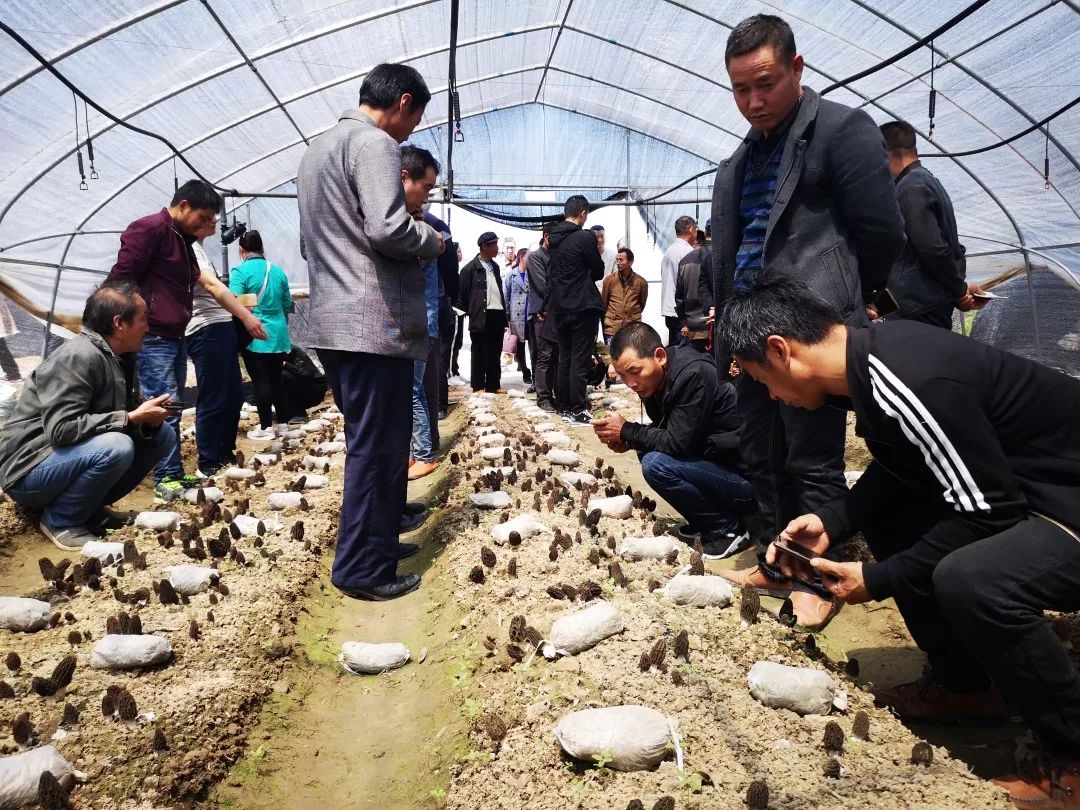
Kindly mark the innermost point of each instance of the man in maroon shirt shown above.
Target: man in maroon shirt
(155, 253)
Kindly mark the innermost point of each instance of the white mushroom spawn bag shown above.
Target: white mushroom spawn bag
(20, 774)
(130, 652)
(619, 506)
(490, 500)
(564, 458)
(159, 521)
(583, 629)
(555, 438)
(699, 591)
(648, 548)
(630, 738)
(361, 658)
(192, 579)
(23, 615)
(525, 525)
(800, 689)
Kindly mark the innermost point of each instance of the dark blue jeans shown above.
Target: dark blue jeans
(711, 498)
(74, 482)
(375, 395)
(214, 350)
(163, 370)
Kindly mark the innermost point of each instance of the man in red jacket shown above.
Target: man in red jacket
(156, 254)
(971, 508)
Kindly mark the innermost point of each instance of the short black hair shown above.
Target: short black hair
(597, 228)
(629, 253)
(251, 241)
(575, 206)
(774, 307)
(899, 137)
(416, 161)
(384, 86)
(116, 297)
(758, 31)
(683, 225)
(636, 335)
(199, 195)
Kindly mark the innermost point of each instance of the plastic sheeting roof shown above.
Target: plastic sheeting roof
(588, 96)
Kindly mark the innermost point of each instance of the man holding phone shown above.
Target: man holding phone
(971, 508)
(81, 437)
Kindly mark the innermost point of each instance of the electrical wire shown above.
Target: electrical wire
(30, 49)
(991, 146)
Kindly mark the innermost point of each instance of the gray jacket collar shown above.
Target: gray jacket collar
(357, 115)
(98, 341)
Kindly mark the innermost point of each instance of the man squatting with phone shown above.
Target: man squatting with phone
(970, 506)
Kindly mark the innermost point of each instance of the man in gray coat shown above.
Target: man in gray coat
(807, 195)
(81, 437)
(367, 315)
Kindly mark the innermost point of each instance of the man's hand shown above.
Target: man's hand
(254, 327)
(844, 580)
(872, 313)
(150, 412)
(685, 331)
(711, 316)
(807, 534)
(541, 316)
(609, 429)
(734, 370)
(968, 301)
(442, 244)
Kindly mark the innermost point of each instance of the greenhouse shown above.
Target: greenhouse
(109, 108)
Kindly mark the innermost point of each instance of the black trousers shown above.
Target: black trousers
(978, 612)
(264, 368)
(522, 363)
(446, 346)
(546, 359)
(459, 338)
(487, 351)
(576, 333)
(215, 351)
(375, 395)
(794, 458)
(674, 330)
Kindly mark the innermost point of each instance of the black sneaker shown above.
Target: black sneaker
(578, 419)
(722, 546)
(545, 405)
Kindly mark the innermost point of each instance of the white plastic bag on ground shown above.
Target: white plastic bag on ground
(555, 438)
(490, 500)
(525, 525)
(489, 439)
(564, 458)
(279, 501)
(515, 393)
(265, 459)
(571, 478)
(130, 652)
(699, 591)
(238, 473)
(158, 521)
(504, 470)
(478, 430)
(249, 525)
(492, 453)
(484, 418)
(313, 481)
(20, 774)
(192, 579)
(620, 506)
(635, 738)
(362, 658)
(544, 427)
(315, 425)
(581, 630)
(329, 448)
(318, 462)
(648, 548)
(800, 689)
(102, 550)
(23, 615)
(211, 493)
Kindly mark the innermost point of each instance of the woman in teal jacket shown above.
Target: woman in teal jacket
(264, 358)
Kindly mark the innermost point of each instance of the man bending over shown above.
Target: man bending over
(689, 454)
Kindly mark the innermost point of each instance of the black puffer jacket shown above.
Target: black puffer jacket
(576, 265)
(693, 415)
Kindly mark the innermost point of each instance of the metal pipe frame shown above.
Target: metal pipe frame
(551, 53)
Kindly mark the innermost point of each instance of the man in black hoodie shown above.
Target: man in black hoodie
(689, 454)
(573, 300)
(971, 507)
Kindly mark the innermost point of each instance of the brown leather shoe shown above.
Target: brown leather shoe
(811, 611)
(1045, 788)
(757, 578)
(927, 701)
(422, 468)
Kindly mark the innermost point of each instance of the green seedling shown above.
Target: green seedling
(471, 707)
(599, 413)
(690, 781)
(603, 759)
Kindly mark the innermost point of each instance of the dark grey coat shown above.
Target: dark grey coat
(82, 390)
(931, 270)
(835, 224)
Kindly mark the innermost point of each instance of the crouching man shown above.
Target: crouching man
(971, 508)
(80, 436)
(689, 454)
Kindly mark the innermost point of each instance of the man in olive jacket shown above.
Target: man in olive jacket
(808, 196)
(80, 436)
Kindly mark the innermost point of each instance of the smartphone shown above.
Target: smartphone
(815, 584)
(780, 544)
(176, 406)
(885, 304)
(986, 296)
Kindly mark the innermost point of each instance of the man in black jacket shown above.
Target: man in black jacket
(572, 298)
(808, 196)
(930, 276)
(689, 307)
(689, 453)
(543, 336)
(971, 505)
(480, 296)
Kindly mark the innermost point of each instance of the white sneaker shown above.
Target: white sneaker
(261, 434)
